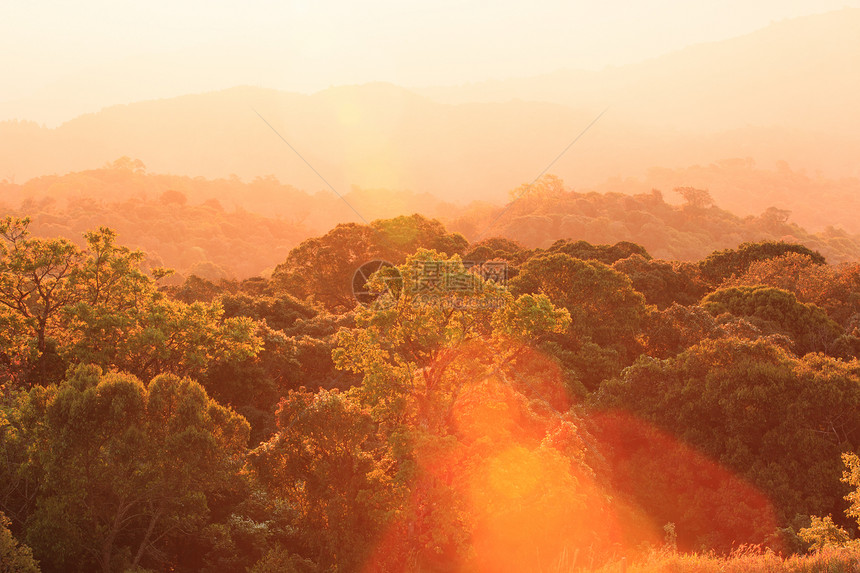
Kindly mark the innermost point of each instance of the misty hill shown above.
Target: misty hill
(126, 178)
(194, 226)
(798, 73)
(739, 185)
(372, 136)
(772, 95)
(548, 211)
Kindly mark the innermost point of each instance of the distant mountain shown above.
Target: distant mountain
(785, 93)
(800, 74)
(372, 136)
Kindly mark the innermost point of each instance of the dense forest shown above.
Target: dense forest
(602, 378)
(449, 287)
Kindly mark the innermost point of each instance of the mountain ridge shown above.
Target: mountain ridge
(789, 103)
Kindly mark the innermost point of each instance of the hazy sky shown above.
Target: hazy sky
(65, 56)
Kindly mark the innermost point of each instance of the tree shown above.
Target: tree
(14, 556)
(851, 476)
(106, 448)
(37, 280)
(173, 197)
(455, 384)
(297, 342)
(407, 234)
(121, 321)
(843, 297)
(602, 303)
(68, 306)
(695, 198)
(282, 561)
(160, 336)
(677, 328)
(606, 254)
(321, 269)
(776, 311)
(721, 265)
(606, 312)
(779, 421)
(795, 272)
(775, 219)
(669, 481)
(194, 289)
(663, 283)
(493, 248)
(404, 346)
(549, 186)
(834, 289)
(127, 164)
(335, 473)
(822, 532)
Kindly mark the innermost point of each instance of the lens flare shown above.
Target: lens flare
(518, 481)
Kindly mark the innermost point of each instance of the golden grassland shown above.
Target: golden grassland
(745, 560)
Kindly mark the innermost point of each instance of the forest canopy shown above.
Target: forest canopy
(491, 405)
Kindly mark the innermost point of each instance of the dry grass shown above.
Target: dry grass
(829, 560)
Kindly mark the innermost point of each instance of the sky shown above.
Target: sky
(61, 58)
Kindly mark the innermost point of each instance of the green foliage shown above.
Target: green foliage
(406, 234)
(834, 289)
(401, 345)
(663, 283)
(105, 450)
(329, 465)
(721, 265)
(677, 328)
(193, 289)
(695, 198)
(822, 532)
(165, 336)
(281, 312)
(96, 306)
(38, 279)
(672, 482)
(851, 476)
(529, 315)
(602, 303)
(282, 561)
(779, 421)
(606, 254)
(776, 311)
(440, 430)
(14, 556)
(463, 400)
(606, 312)
(493, 248)
(297, 343)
